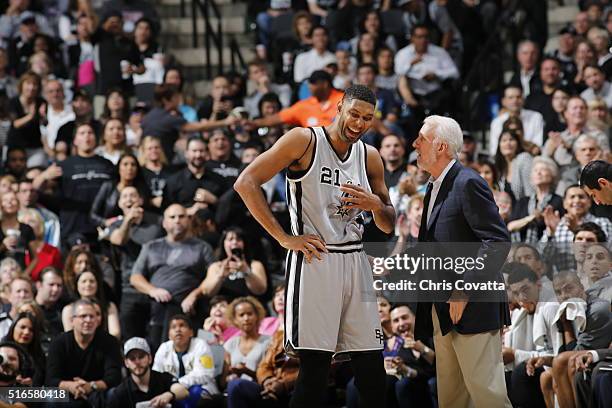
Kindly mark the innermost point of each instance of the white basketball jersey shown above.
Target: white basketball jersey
(313, 198)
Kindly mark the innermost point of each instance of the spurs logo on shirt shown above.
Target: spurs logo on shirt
(319, 188)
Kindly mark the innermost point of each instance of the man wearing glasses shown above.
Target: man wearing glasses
(84, 361)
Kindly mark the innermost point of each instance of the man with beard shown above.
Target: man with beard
(13, 358)
(169, 270)
(144, 384)
(332, 178)
(194, 187)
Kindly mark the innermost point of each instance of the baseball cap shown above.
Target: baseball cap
(27, 17)
(136, 343)
(320, 75)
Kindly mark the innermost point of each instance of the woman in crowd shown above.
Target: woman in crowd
(116, 106)
(599, 116)
(526, 222)
(89, 285)
(513, 164)
(27, 333)
(16, 238)
(8, 183)
(372, 25)
(154, 166)
(217, 323)
(152, 59)
(174, 76)
(269, 325)
(366, 49)
(43, 254)
(68, 21)
(105, 209)
(489, 173)
(9, 270)
(386, 77)
(79, 260)
(27, 111)
(235, 274)
(114, 144)
(559, 103)
(244, 351)
(584, 55)
(81, 54)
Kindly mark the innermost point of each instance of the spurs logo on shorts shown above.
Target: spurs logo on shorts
(330, 303)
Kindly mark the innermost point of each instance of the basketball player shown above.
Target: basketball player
(332, 178)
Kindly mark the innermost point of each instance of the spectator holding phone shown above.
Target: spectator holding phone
(237, 274)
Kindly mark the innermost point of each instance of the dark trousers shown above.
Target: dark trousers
(404, 393)
(134, 313)
(247, 394)
(311, 385)
(525, 390)
(594, 389)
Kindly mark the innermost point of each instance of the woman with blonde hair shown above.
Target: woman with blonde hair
(9, 270)
(599, 117)
(43, 254)
(154, 166)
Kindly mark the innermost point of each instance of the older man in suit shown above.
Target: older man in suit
(459, 208)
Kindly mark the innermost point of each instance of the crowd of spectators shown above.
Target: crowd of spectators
(130, 269)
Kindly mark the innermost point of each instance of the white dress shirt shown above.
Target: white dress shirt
(436, 60)
(310, 61)
(604, 93)
(436, 188)
(55, 120)
(533, 126)
(525, 82)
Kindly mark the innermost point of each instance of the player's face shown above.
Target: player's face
(603, 196)
(597, 262)
(355, 119)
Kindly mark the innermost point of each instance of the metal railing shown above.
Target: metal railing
(214, 37)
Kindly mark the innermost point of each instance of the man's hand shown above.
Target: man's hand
(551, 219)
(309, 245)
(160, 295)
(508, 355)
(572, 221)
(583, 361)
(188, 303)
(416, 60)
(204, 196)
(52, 172)
(134, 215)
(532, 364)
(456, 309)
(161, 400)
(359, 198)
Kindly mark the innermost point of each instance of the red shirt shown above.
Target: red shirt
(48, 255)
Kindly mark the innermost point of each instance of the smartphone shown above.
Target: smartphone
(238, 252)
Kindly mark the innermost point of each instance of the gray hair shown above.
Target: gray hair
(550, 164)
(82, 302)
(446, 130)
(584, 138)
(524, 43)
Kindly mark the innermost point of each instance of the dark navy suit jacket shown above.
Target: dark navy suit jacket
(465, 212)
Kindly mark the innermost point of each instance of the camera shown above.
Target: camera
(238, 252)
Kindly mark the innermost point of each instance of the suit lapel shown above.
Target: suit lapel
(423, 227)
(443, 192)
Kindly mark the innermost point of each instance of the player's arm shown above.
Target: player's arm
(288, 149)
(378, 202)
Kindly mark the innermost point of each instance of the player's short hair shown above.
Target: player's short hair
(517, 272)
(359, 92)
(594, 171)
(600, 235)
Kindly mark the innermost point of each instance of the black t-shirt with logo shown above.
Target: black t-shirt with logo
(79, 185)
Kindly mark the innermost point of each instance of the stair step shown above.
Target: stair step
(562, 15)
(196, 56)
(172, 41)
(172, 25)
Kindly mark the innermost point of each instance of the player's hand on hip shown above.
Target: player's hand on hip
(456, 309)
(360, 198)
(310, 245)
